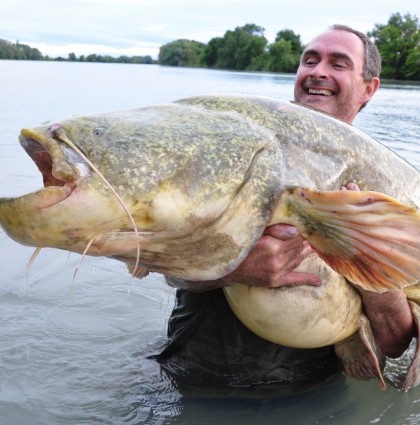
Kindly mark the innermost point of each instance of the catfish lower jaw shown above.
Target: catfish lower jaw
(43, 198)
(53, 195)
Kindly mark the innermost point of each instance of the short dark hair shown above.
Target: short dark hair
(372, 65)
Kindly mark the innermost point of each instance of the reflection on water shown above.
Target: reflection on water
(74, 350)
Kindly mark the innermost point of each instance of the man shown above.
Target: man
(338, 74)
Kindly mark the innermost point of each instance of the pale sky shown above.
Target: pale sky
(140, 27)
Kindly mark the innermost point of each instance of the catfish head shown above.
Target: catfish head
(169, 188)
(75, 203)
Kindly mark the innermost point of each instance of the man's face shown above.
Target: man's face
(330, 75)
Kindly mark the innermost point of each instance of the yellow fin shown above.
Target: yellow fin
(368, 237)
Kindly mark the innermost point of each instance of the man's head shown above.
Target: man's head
(338, 72)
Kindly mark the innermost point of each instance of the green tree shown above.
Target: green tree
(18, 51)
(142, 59)
(412, 64)
(211, 51)
(92, 58)
(182, 53)
(289, 35)
(240, 48)
(6, 50)
(284, 53)
(29, 53)
(399, 44)
(280, 57)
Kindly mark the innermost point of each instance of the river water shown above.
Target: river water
(73, 350)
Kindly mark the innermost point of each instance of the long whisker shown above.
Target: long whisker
(83, 256)
(66, 140)
(30, 262)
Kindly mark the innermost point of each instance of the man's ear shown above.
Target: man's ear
(371, 87)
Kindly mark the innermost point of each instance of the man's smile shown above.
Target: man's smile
(320, 92)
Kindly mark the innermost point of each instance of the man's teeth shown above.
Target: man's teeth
(322, 92)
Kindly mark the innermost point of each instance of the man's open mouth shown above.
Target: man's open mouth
(320, 92)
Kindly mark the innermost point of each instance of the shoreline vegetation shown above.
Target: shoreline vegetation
(246, 49)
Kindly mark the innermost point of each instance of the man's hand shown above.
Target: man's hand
(272, 261)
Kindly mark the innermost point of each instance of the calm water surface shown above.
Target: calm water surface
(74, 350)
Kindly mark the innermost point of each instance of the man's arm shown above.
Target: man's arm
(270, 263)
(391, 319)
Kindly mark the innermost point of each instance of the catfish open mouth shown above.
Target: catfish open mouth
(61, 167)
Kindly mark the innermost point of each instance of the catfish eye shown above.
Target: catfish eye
(98, 131)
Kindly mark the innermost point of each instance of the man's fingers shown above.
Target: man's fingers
(307, 249)
(281, 231)
(278, 254)
(350, 186)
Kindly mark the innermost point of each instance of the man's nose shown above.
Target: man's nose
(319, 71)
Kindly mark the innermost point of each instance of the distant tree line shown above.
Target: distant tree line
(19, 51)
(109, 59)
(246, 48)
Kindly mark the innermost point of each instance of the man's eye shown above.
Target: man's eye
(340, 65)
(310, 62)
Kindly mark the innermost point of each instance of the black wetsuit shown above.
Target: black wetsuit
(210, 350)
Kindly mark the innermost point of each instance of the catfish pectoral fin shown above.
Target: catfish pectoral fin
(368, 237)
(359, 356)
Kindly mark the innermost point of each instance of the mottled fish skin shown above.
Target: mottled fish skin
(319, 151)
(204, 172)
(202, 177)
(183, 171)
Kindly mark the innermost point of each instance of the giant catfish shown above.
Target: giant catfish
(187, 188)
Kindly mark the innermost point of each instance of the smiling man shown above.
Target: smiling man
(208, 346)
(338, 74)
(335, 75)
